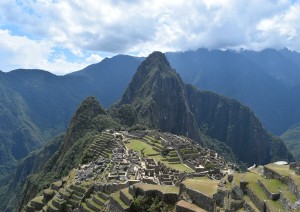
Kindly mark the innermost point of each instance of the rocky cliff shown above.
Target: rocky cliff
(163, 101)
(158, 95)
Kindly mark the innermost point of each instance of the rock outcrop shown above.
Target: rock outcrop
(159, 97)
(162, 101)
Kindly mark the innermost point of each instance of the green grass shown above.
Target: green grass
(283, 170)
(203, 185)
(154, 142)
(125, 191)
(138, 145)
(116, 196)
(275, 186)
(272, 185)
(38, 199)
(249, 202)
(296, 179)
(180, 167)
(164, 189)
(275, 206)
(252, 178)
(91, 202)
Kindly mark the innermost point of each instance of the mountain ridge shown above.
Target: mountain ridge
(227, 120)
(43, 103)
(169, 98)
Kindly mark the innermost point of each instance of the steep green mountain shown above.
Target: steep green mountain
(35, 105)
(157, 93)
(109, 78)
(58, 157)
(266, 81)
(28, 167)
(292, 140)
(162, 101)
(18, 134)
(261, 80)
(229, 121)
(156, 97)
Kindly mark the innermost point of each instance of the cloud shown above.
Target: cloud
(91, 27)
(94, 58)
(282, 29)
(22, 52)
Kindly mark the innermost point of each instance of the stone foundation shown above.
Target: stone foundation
(270, 195)
(257, 202)
(199, 199)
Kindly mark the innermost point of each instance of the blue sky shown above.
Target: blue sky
(62, 36)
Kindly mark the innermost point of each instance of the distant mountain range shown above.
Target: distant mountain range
(156, 98)
(36, 105)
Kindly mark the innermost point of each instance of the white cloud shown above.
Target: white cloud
(89, 28)
(94, 58)
(21, 52)
(282, 29)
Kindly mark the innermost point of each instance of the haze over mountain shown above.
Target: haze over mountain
(157, 98)
(163, 101)
(37, 105)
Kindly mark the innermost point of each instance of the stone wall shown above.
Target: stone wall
(257, 202)
(110, 188)
(166, 197)
(270, 195)
(235, 205)
(183, 206)
(248, 207)
(219, 197)
(293, 165)
(284, 201)
(198, 198)
(284, 179)
(115, 206)
(293, 188)
(274, 175)
(125, 199)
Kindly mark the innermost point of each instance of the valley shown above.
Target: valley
(161, 132)
(149, 106)
(127, 167)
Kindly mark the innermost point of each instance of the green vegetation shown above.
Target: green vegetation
(156, 98)
(147, 204)
(283, 170)
(116, 197)
(89, 120)
(148, 150)
(138, 145)
(163, 189)
(292, 140)
(203, 185)
(218, 146)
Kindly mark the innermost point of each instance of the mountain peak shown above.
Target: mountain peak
(155, 63)
(151, 75)
(157, 93)
(158, 57)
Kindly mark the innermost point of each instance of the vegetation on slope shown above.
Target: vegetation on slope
(88, 121)
(162, 101)
(292, 140)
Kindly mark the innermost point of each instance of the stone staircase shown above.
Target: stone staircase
(96, 202)
(121, 200)
(267, 194)
(184, 206)
(103, 146)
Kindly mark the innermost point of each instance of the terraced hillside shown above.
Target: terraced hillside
(270, 188)
(135, 171)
